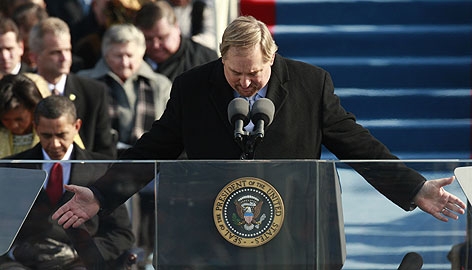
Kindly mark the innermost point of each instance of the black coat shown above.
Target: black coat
(307, 115)
(189, 55)
(90, 97)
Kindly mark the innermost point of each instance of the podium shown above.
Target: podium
(19, 189)
(464, 177)
(281, 214)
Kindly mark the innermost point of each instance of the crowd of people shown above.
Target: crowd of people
(119, 85)
(123, 65)
(115, 62)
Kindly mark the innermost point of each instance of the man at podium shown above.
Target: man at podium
(305, 115)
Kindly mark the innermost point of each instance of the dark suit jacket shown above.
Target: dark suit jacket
(25, 68)
(90, 97)
(307, 115)
(112, 234)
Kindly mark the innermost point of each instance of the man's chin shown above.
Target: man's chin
(247, 92)
(56, 156)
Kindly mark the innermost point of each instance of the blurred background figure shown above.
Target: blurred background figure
(70, 11)
(196, 19)
(138, 95)
(8, 6)
(11, 49)
(18, 99)
(25, 17)
(167, 51)
(88, 32)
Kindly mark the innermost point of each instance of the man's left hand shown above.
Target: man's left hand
(435, 200)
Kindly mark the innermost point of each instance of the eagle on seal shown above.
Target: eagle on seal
(249, 214)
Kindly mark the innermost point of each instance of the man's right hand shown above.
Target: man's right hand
(79, 209)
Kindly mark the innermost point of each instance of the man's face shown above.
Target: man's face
(56, 57)
(246, 71)
(18, 120)
(162, 40)
(56, 135)
(11, 51)
(99, 8)
(124, 59)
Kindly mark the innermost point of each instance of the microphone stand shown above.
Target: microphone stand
(248, 144)
(261, 115)
(250, 147)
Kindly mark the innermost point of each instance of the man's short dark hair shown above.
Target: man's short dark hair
(54, 107)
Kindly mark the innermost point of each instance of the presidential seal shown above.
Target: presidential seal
(248, 212)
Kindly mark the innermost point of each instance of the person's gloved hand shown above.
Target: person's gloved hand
(46, 254)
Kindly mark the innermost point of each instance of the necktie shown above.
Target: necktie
(55, 92)
(251, 101)
(54, 186)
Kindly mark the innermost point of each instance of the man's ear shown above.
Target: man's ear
(21, 44)
(32, 57)
(78, 124)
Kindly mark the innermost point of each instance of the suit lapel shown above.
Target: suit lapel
(35, 153)
(221, 94)
(71, 90)
(276, 90)
(77, 173)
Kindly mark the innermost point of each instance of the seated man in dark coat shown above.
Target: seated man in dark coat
(167, 51)
(41, 243)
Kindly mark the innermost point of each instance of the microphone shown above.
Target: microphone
(238, 112)
(411, 261)
(262, 114)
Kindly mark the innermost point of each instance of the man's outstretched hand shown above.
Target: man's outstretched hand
(79, 209)
(435, 200)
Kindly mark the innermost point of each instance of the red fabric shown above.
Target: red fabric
(55, 183)
(263, 10)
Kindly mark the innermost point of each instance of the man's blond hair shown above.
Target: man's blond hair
(246, 32)
(51, 25)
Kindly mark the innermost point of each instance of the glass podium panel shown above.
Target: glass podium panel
(274, 214)
(249, 215)
(370, 232)
(379, 234)
(19, 189)
(26, 215)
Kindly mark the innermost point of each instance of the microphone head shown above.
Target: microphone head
(411, 261)
(238, 109)
(263, 109)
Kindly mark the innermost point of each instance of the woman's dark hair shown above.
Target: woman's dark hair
(16, 90)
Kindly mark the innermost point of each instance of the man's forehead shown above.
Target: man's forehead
(161, 26)
(63, 119)
(244, 60)
(7, 34)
